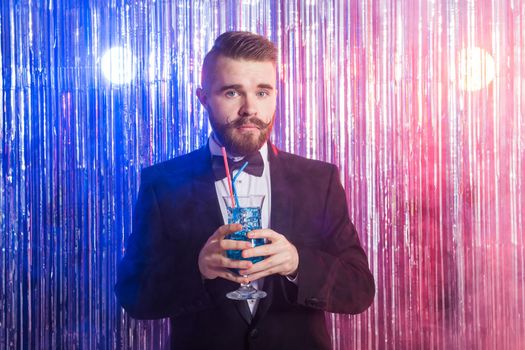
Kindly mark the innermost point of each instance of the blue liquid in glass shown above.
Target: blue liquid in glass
(250, 219)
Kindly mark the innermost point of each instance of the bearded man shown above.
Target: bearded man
(175, 263)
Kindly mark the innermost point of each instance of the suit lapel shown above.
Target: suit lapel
(204, 195)
(265, 303)
(282, 210)
(243, 308)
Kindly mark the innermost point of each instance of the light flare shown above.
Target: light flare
(118, 65)
(476, 69)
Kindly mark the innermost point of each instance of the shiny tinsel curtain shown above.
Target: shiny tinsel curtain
(421, 104)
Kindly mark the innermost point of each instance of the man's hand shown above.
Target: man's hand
(212, 261)
(281, 256)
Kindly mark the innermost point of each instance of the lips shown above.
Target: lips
(248, 127)
(248, 124)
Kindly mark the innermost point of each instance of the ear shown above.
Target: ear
(203, 99)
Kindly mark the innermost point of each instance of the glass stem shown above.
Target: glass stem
(245, 284)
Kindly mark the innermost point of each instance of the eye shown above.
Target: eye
(263, 93)
(231, 93)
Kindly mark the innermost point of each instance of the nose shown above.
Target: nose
(248, 107)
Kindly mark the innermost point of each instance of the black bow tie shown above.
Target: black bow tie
(255, 165)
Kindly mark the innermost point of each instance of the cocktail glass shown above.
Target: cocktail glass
(247, 212)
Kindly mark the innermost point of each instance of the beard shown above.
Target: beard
(241, 144)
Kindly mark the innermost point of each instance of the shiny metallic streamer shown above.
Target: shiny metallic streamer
(434, 173)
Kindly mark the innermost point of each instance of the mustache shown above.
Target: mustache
(248, 120)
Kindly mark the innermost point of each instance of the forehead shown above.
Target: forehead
(248, 73)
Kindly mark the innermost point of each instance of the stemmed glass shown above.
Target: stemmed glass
(247, 212)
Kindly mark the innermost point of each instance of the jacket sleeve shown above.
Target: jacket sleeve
(155, 278)
(335, 276)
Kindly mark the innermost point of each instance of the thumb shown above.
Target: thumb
(225, 230)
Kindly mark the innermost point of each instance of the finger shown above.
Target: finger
(264, 233)
(220, 261)
(259, 275)
(263, 250)
(237, 278)
(230, 244)
(227, 229)
(214, 272)
(277, 264)
(236, 264)
(232, 276)
(271, 265)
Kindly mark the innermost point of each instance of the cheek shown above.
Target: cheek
(222, 111)
(268, 110)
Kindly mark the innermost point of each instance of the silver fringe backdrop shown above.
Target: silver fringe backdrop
(420, 103)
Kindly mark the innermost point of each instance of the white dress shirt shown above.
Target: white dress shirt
(246, 184)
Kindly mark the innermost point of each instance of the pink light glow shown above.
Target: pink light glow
(476, 69)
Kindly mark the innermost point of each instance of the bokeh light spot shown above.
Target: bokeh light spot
(476, 69)
(117, 65)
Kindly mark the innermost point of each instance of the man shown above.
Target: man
(175, 264)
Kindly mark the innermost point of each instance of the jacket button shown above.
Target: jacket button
(254, 333)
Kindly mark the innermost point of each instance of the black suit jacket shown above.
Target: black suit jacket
(177, 210)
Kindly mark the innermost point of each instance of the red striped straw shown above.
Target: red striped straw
(225, 157)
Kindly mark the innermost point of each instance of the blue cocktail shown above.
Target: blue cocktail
(250, 219)
(247, 212)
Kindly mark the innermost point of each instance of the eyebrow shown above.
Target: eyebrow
(239, 87)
